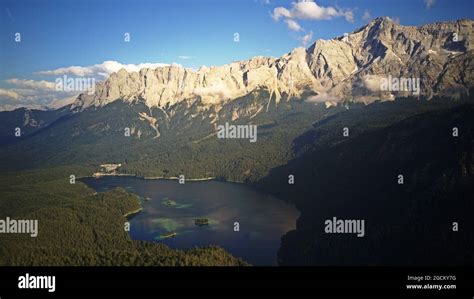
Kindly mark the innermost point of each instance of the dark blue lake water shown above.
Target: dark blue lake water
(169, 207)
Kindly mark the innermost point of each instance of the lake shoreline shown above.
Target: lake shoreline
(266, 217)
(101, 175)
(131, 213)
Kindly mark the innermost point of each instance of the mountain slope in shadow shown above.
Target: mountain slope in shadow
(357, 178)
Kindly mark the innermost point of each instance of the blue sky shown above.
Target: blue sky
(63, 33)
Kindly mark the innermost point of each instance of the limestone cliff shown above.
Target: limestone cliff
(349, 67)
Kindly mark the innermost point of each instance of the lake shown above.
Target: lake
(170, 207)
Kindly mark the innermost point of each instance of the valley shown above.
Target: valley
(295, 143)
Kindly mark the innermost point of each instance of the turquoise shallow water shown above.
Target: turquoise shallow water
(169, 207)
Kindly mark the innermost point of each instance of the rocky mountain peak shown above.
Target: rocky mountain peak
(349, 67)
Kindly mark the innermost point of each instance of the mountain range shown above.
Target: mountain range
(348, 67)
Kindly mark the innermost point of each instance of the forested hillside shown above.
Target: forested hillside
(81, 228)
(358, 178)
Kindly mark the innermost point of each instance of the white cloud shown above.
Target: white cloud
(13, 99)
(395, 19)
(184, 57)
(33, 94)
(310, 10)
(213, 94)
(306, 39)
(429, 3)
(102, 70)
(9, 94)
(32, 102)
(42, 93)
(366, 16)
(279, 12)
(349, 16)
(322, 97)
(293, 25)
(31, 84)
(372, 82)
